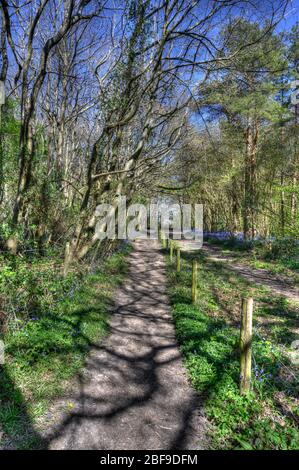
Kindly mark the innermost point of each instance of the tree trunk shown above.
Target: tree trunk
(250, 189)
(282, 206)
(26, 155)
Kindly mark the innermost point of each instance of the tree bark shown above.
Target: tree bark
(250, 185)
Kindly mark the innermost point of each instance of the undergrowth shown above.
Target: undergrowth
(208, 333)
(277, 257)
(56, 321)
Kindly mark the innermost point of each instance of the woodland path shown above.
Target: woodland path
(134, 392)
(277, 284)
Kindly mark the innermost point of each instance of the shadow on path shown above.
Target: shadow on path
(133, 392)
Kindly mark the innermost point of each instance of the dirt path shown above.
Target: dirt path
(277, 284)
(133, 393)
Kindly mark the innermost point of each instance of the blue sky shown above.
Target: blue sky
(291, 17)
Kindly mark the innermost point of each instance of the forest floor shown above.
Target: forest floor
(139, 367)
(280, 284)
(59, 320)
(208, 333)
(134, 392)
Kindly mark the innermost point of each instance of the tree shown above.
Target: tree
(244, 95)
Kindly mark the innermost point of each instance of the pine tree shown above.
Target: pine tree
(244, 95)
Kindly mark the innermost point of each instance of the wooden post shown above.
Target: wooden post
(178, 259)
(245, 345)
(164, 241)
(171, 250)
(194, 281)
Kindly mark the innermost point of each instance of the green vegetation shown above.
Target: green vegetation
(170, 102)
(277, 257)
(209, 334)
(244, 159)
(57, 320)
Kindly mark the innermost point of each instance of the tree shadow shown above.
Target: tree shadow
(270, 306)
(16, 427)
(213, 342)
(132, 392)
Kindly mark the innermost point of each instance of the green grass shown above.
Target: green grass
(208, 333)
(280, 259)
(43, 353)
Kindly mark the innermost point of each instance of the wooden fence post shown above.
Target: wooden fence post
(178, 259)
(245, 345)
(194, 281)
(171, 250)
